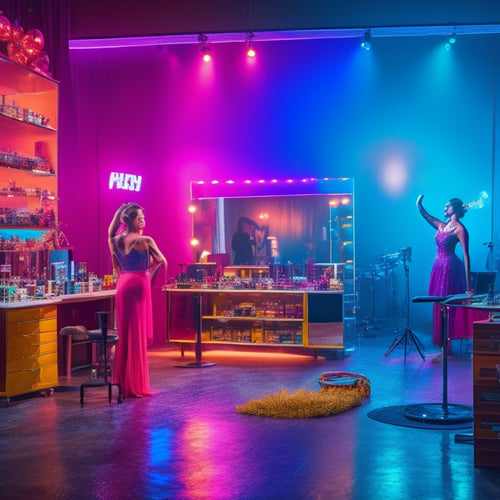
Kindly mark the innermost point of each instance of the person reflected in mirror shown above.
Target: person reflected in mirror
(136, 260)
(449, 274)
(243, 242)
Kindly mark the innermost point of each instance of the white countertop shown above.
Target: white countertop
(60, 299)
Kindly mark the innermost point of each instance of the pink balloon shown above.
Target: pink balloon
(5, 29)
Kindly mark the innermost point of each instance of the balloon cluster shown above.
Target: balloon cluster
(25, 48)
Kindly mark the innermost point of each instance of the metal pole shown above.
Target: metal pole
(198, 314)
(444, 350)
(493, 145)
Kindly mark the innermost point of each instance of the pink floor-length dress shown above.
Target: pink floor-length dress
(448, 278)
(134, 318)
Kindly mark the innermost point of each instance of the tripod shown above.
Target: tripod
(408, 336)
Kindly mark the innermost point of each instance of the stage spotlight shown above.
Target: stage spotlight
(205, 47)
(451, 41)
(250, 45)
(366, 43)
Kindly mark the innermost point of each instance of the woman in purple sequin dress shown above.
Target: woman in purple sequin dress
(136, 259)
(449, 275)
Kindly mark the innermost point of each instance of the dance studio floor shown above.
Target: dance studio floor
(188, 442)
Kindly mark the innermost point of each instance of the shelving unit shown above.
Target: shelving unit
(29, 104)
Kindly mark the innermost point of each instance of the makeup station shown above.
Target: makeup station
(293, 287)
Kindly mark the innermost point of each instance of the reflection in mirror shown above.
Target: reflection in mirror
(304, 226)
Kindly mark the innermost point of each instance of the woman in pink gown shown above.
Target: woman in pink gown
(449, 275)
(136, 259)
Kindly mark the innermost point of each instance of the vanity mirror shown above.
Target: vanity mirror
(298, 224)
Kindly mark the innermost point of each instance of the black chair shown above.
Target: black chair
(106, 340)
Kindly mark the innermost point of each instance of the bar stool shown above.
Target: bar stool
(441, 413)
(100, 338)
(70, 334)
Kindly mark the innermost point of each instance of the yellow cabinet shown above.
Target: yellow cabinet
(28, 360)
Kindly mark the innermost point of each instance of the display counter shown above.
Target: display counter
(291, 318)
(31, 357)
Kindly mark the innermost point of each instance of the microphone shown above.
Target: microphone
(406, 253)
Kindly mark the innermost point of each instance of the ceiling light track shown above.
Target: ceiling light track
(270, 36)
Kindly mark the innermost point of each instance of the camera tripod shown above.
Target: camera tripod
(408, 337)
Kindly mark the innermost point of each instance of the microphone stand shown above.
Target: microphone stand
(490, 259)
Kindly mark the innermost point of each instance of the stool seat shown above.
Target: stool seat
(78, 332)
(97, 336)
(442, 300)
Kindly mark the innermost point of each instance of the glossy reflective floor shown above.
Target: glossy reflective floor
(187, 442)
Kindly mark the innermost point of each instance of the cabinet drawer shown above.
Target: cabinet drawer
(486, 453)
(487, 425)
(487, 398)
(30, 351)
(31, 340)
(31, 314)
(486, 346)
(30, 363)
(31, 380)
(485, 369)
(32, 327)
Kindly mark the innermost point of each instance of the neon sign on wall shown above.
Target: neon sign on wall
(128, 182)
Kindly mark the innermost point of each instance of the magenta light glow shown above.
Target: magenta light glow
(274, 187)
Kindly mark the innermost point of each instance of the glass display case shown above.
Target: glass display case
(28, 168)
(297, 232)
(257, 317)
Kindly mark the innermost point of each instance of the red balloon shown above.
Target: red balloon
(16, 32)
(29, 46)
(17, 54)
(41, 63)
(33, 42)
(5, 29)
